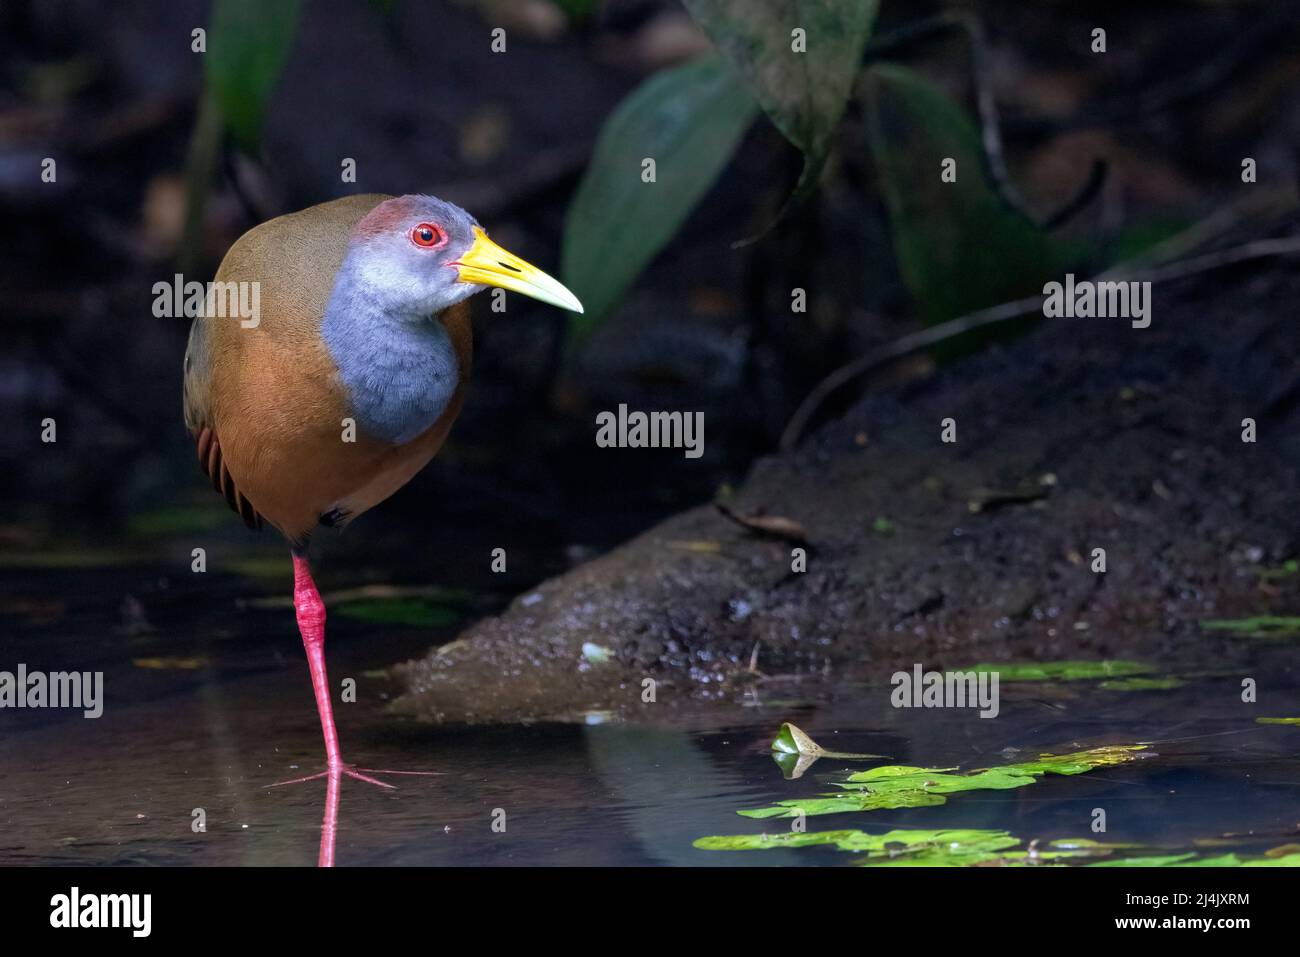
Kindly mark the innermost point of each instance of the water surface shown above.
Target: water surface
(205, 709)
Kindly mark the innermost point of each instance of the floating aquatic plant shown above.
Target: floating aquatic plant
(1266, 627)
(897, 786)
(921, 847)
(794, 752)
(415, 612)
(1062, 670)
(1142, 684)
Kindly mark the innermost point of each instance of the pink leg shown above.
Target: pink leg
(311, 623)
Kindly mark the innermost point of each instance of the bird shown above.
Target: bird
(346, 381)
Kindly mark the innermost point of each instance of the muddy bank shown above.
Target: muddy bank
(1083, 434)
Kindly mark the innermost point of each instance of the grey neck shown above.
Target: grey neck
(400, 372)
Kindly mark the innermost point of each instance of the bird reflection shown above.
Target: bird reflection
(329, 827)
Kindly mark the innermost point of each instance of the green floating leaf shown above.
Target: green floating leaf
(1142, 684)
(794, 765)
(414, 612)
(801, 79)
(258, 566)
(960, 845)
(1062, 670)
(175, 520)
(792, 739)
(248, 43)
(959, 247)
(898, 786)
(71, 557)
(1268, 627)
(972, 847)
(1157, 860)
(844, 840)
(1285, 570)
(688, 119)
(1193, 860)
(795, 752)
(1078, 762)
(921, 847)
(843, 804)
(1277, 721)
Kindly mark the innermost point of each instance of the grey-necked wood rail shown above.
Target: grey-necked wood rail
(350, 378)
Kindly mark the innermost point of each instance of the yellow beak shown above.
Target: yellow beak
(487, 264)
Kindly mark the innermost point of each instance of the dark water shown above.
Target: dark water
(204, 708)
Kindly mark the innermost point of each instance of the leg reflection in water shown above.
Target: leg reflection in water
(330, 824)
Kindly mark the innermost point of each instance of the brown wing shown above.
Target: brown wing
(198, 418)
(215, 469)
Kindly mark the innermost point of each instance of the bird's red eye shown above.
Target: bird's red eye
(427, 235)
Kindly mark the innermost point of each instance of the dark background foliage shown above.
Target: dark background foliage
(413, 92)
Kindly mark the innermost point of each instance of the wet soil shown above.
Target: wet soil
(1083, 434)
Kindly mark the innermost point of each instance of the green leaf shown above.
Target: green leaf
(959, 247)
(577, 11)
(1288, 568)
(792, 739)
(256, 566)
(899, 786)
(795, 752)
(1142, 684)
(1295, 721)
(1160, 860)
(864, 801)
(794, 765)
(200, 168)
(804, 93)
(845, 840)
(1289, 860)
(937, 782)
(1062, 670)
(415, 612)
(920, 847)
(1080, 761)
(1268, 627)
(688, 119)
(248, 43)
(965, 846)
(173, 520)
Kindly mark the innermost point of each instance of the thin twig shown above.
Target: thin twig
(1256, 205)
(1006, 311)
(995, 164)
(897, 350)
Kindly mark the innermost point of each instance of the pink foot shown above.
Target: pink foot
(357, 775)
